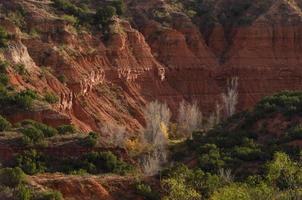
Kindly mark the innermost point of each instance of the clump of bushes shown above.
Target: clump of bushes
(51, 98)
(31, 162)
(25, 98)
(84, 16)
(20, 69)
(104, 15)
(4, 124)
(66, 129)
(146, 191)
(3, 74)
(49, 195)
(90, 140)
(13, 185)
(4, 37)
(11, 177)
(35, 132)
(287, 102)
(105, 162)
(62, 78)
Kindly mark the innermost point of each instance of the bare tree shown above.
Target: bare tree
(157, 118)
(189, 118)
(230, 98)
(116, 134)
(226, 175)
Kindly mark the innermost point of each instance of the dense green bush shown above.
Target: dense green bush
(120, 6)
(31, 162)
(66, 129)
(4, 124)
(51, 98)
(11, 177)
(24, 193)
(49, 195)
(286, 102)
(47, 131)
(84, 15)
(3, 66)
(147, 192)
(24, 99)
(4, 80)
(105, 162)
(32, 135)
(62, 78)
(3, 37)
(104, 15)
(90, 140)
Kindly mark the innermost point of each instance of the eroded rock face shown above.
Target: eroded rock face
(169, 59)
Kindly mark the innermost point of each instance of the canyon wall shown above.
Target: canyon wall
(145, 59)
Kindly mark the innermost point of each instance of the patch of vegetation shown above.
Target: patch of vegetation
(69, 8)
(85, 14)
(20, 69)
(66, 129)
(13, 185)
(104, 15)
(4, 124)
(11, 177)
(146, 191)
(232, 163)
(35, 133)
(4, 80)
(90, 140)
(4, 37)
(51, 98)
(49, 195)
(21, 100)
(62, 79)
(282, 178)
(31, 162)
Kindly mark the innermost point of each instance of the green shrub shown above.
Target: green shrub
(106, 162)
(62, 78)
(47, 131)
(66, 129)
(104, 15)
(31, 162)
(120, 6)
(4, 79)
(146, 191)
(3, 66)
(11, 100)
(211, 158)
(11, 177)
(71, 19)
(90, 140)
(3, 37)
(50, 195)
(25, 99)
(4, 124)
(24, 193)
(69, 8)
(283, 172)
(32, 135)
(20, 69)
(51, 98)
